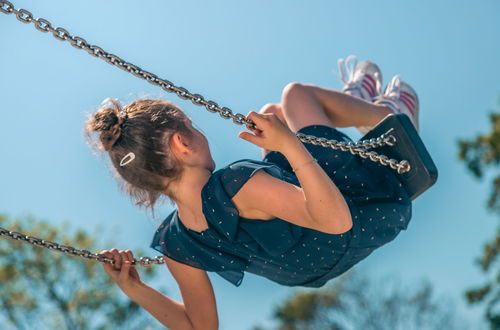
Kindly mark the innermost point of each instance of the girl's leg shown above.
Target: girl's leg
(275, 108)
(305, 104)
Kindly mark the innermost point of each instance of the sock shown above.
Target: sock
(390, 106)
(354, 92)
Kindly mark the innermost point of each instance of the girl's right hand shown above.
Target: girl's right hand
(271, 132)
(122, 272)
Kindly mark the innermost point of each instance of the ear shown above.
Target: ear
(180, 145)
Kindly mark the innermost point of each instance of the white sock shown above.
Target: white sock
(390, 106)
(354, 92)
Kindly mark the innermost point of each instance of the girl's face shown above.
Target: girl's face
(202, 148)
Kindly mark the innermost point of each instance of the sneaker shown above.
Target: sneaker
(400, 97)
(365, 78)
(364, 81)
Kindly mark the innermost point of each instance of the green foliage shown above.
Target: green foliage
(305, 305)
(354, 302)
(481, 155)
(44, 289)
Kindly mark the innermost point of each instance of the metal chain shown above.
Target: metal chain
(69, 250)
(356, 148)
(400, 167)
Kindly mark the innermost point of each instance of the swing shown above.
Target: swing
(395, 136)
(409, 146)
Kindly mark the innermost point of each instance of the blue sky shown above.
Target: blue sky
(241, 55)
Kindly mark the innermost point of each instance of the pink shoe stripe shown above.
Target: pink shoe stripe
(409, 95)
(408, 105)
(373, 83)
(368, 88)
(407, 99)
(371, 79)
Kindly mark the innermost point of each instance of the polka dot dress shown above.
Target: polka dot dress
(276, 249)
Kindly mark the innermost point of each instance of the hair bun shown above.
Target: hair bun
(107, 121)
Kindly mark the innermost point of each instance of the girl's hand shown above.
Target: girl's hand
(271, 132)
(122, 272)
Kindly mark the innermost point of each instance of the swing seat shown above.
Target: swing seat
(408, 146)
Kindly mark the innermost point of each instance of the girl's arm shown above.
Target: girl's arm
(323, 198)
(317, 204)
(168, 312)
(199, 308)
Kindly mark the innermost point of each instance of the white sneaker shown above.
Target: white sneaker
(400, 97)
(365, 78)
(364, 81)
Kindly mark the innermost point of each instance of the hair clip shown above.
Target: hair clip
(127, 159)
(123, 114)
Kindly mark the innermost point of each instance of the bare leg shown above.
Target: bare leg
(305, 104)
(346, 110)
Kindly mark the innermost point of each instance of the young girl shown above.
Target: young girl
(300, 217)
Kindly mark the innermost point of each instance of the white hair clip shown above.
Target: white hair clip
(123, 114)
(127, 159)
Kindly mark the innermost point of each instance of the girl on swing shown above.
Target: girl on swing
(300, 217)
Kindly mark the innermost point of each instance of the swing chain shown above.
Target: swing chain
(356, 148)
(69, 250)
(6, 7)
(383, 139)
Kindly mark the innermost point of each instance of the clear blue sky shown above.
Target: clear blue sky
(241, 54)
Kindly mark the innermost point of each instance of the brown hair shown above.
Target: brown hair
(145, 130)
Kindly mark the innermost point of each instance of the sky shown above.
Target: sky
(241, 55)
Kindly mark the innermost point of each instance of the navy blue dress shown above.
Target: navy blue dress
(276, 249)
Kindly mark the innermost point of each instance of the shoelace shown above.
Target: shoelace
(346, 69)
(346, 75)
(393, 93)
(394, 87)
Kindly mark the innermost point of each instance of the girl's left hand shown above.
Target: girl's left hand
(271, 134)
(122, 272)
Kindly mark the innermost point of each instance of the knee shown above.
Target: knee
(292, 89)
(271, 108)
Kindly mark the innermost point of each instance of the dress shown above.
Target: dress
(286, 253)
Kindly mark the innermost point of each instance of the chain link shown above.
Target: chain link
(69, 250)
(356, 148)
(384, 139)
(6, 7)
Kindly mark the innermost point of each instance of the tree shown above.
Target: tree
(43, 289)
(481, 156)
(356, 302)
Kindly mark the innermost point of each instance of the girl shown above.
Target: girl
(300, 217)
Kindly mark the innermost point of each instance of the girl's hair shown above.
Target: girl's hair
(145, 130)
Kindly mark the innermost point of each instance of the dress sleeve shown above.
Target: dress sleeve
(218, 207)
(238, 173)
(255, 234)
(176, 243)
(277, 158)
